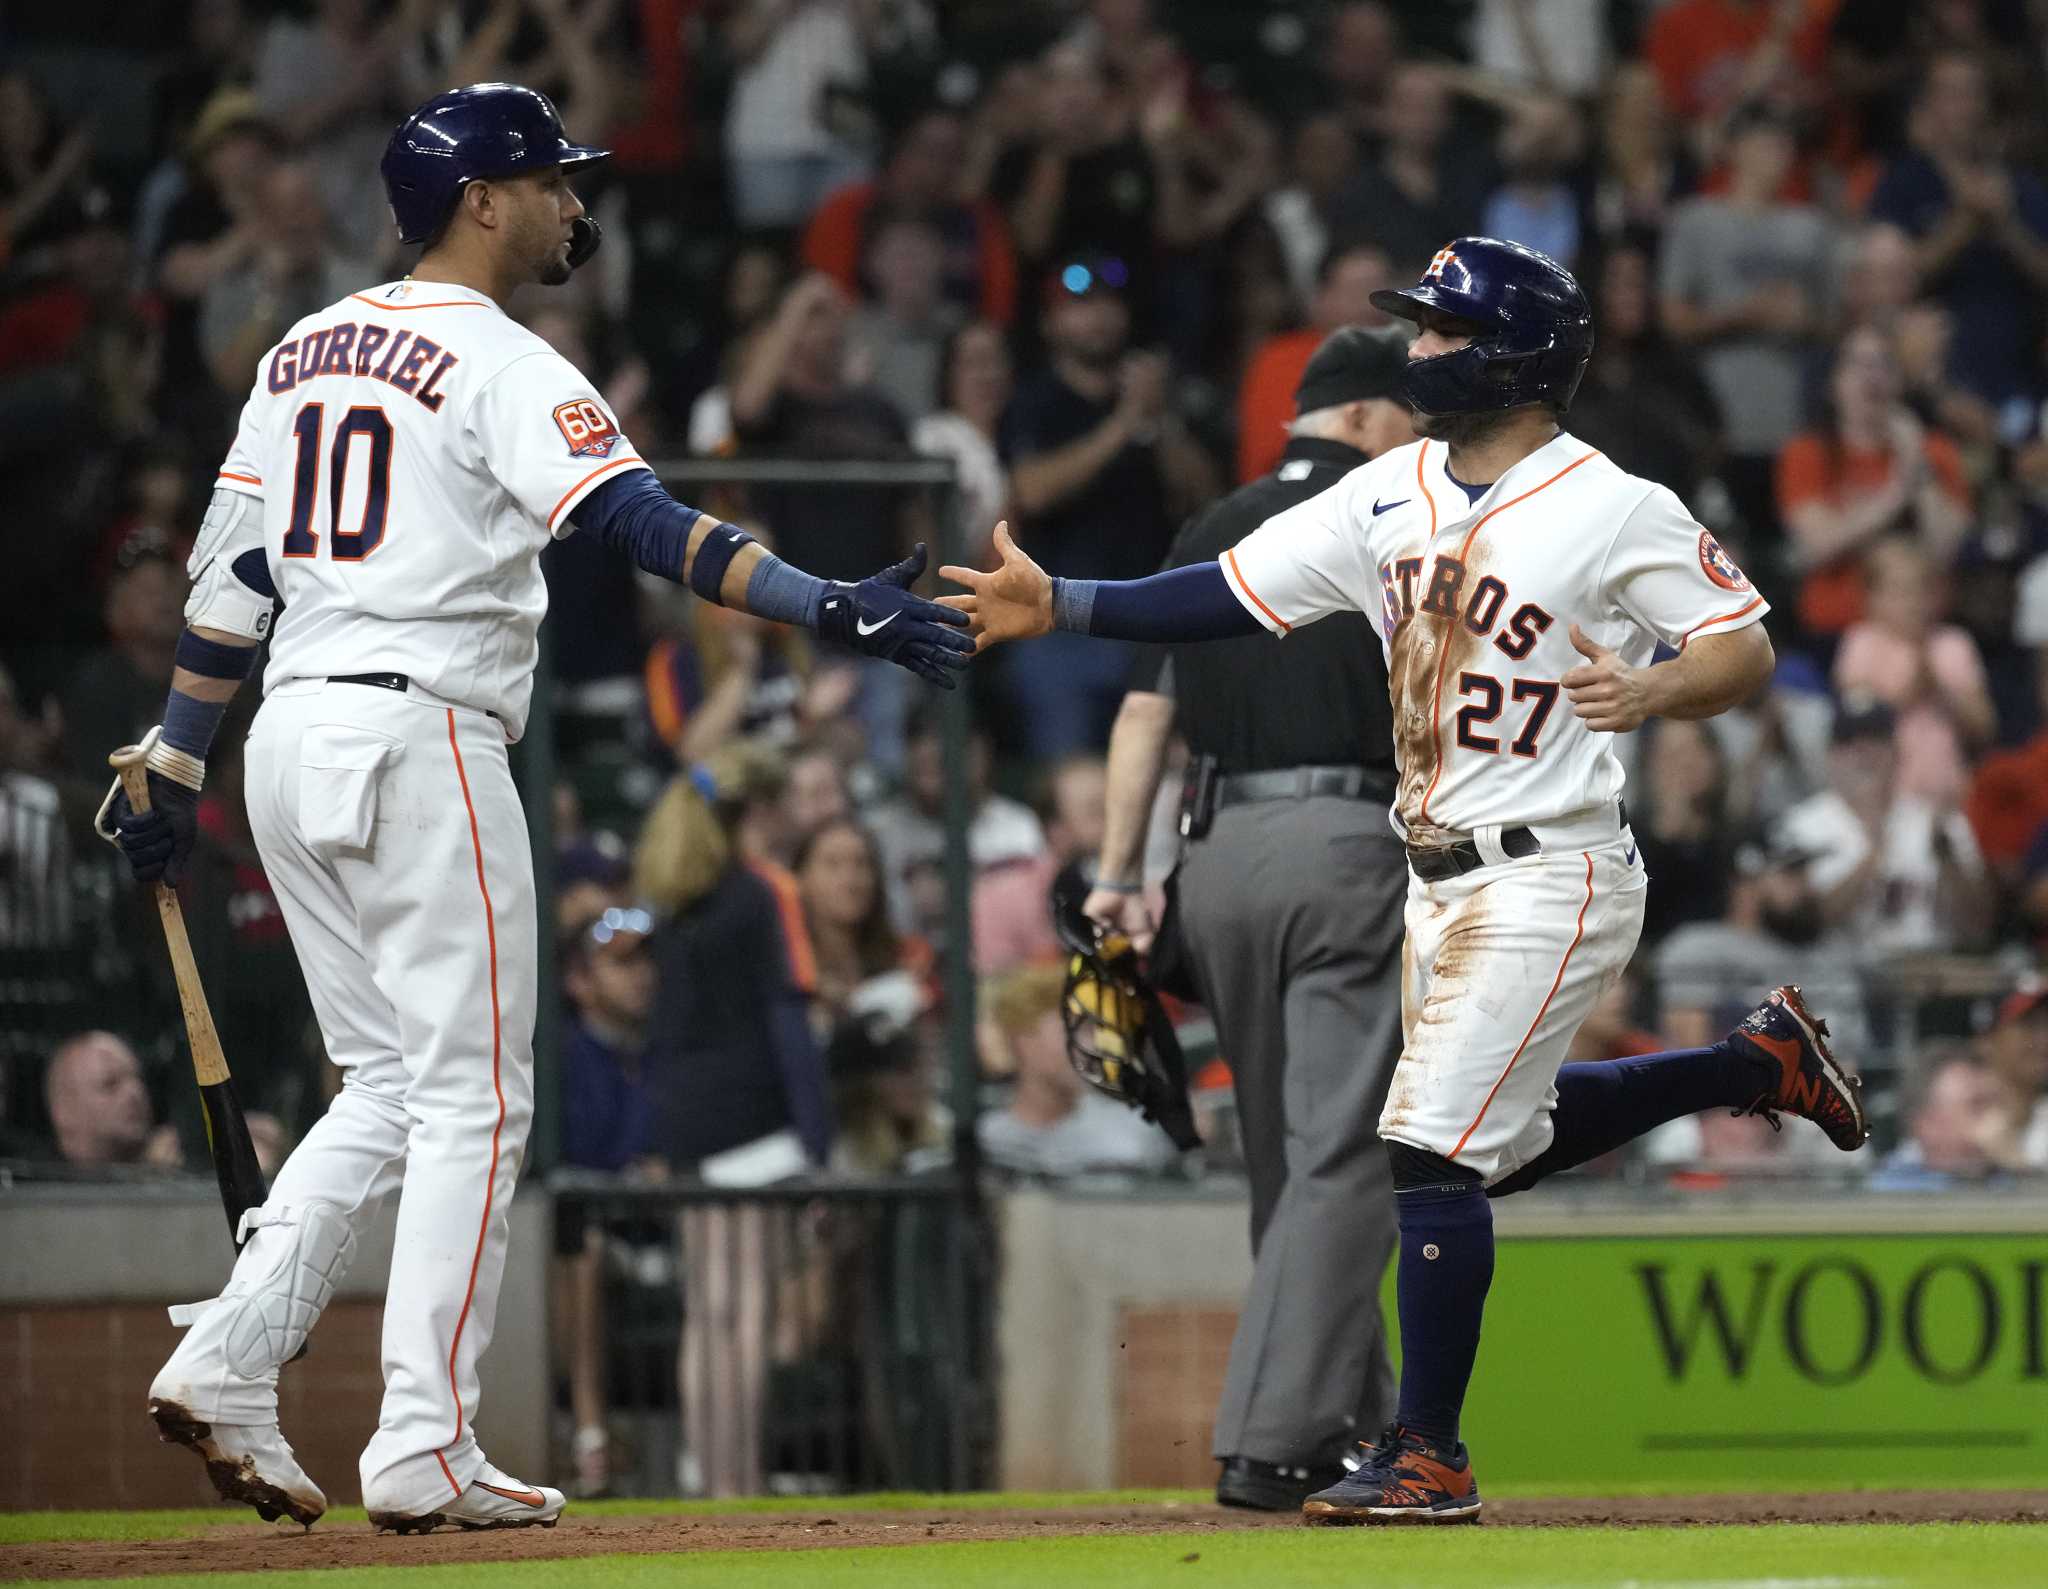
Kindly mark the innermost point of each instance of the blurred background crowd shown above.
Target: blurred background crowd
(1081, 249)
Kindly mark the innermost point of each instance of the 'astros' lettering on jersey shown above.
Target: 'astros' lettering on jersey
(1475, 603)
(414, 447)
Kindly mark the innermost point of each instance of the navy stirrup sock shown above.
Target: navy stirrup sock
(1446, 1265)
(1602, 1105)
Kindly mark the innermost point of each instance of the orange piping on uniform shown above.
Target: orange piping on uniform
(616, 463)
(1436, 701)
(497, 1085)
(1750, 606)
(1231, 558)
(1556, 983)
(401, 308)
(246, 479)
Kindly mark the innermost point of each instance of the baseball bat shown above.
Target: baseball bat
(227, 1128)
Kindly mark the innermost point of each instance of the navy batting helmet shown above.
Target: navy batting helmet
(1533, 329)
(484, 130)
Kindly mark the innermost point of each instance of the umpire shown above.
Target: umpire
(1288, 920)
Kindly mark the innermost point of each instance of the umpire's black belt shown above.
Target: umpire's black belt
(1303, 783)
(400, 682)
(1433, 863)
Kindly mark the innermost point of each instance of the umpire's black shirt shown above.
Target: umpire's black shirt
(1317, 698)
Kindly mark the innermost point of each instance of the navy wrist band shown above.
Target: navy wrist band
(714, 557)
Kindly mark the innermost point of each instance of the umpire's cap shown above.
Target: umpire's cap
(458, 137)
(1532, 329)
(1354, 364)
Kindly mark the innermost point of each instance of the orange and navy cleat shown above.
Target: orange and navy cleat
(1405, 1479)
(1811, 1082)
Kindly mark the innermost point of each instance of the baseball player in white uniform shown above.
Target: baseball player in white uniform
(1522, 585)
(403, 458)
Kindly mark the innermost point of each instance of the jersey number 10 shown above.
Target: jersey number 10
(346, 546)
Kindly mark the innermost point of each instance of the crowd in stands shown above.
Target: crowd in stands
(1081, 249)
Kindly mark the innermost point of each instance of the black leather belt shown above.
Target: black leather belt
(1433, 863)
(384, 681)
(1303, 783)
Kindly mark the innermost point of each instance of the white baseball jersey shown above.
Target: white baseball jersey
(414, 447)
(1475, 603)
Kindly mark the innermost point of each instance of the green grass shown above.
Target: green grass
(1889, 1556)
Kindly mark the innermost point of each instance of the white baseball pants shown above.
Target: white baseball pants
(393, 835)
(1502, 965)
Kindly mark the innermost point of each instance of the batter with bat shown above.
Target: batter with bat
(403, 457)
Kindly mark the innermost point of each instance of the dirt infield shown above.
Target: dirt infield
(237, 1548)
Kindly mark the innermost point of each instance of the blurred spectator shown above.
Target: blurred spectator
(1610, 1030)
(731, 1058)
(1012, 904)
(1980, 226)
(1867, 470)
(42, 165)
(296, 270)
(608, 985)
(332, 85)
(1320, 156)
(1358, 61)
(975, 384)
(36, 907)
(1643, 401)
(1745, 278)
(1644, 167)
(1054, 1123)
(910, 831)
(792, 397)
(99, 1107)
(1776, 747)
(890, 1119)
(1926, 671)
(1534, 205)
(898, 336)
(1680, 823)
(1424, 187)
(839, 873)
(1099, 464)
(2008, 799)
(792, 125)
(1948, 1128)
(592, 872)
(754, 281)
(1265, 399)
(1900, 872)
(1711, 56)
(215, 226)
(1084, 178)
(920, 180)
(735, 676)
(1558, 46)
(117, 694)
(1709, 975)
(2014, 1135)
(817, 794)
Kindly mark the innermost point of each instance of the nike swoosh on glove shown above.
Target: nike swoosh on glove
(158, 841)
(880, 618)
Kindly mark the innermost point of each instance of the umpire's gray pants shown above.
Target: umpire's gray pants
(1291, 911)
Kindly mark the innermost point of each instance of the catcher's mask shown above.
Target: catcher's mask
(1118, 1035)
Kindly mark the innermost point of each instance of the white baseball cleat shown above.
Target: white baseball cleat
(250, 1463)
(494, 1499)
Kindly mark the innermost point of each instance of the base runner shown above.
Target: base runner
(1521, 583)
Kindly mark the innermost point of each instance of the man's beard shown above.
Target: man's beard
(554, 270)
(1793, 924)
(1461, 430)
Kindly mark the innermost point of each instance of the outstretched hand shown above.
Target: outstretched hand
(1011, 602)
(1608, 694)
(880, 618)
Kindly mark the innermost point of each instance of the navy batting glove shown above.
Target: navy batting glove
(880, 618)
(158, 841)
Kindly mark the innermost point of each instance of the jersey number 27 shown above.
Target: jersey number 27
(365, 421)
